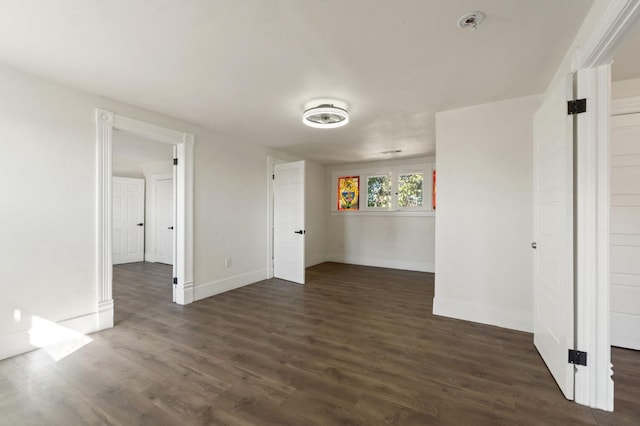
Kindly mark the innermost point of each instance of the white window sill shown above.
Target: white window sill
(394, 213)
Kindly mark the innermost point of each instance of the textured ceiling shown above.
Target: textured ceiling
(249, 67)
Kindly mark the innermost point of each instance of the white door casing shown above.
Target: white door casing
(183, 142)
(553, 234)
(288, 221)
(128, 220)
(164, 219)
(625, 231)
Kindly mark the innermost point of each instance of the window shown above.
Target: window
(391, 189)
(410, 190)
(379, 191)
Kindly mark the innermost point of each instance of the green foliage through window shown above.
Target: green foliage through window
(379, 191)
(410, 190)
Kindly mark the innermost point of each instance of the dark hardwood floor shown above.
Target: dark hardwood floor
(354, 346)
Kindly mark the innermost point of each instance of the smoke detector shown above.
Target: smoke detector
(471, 20)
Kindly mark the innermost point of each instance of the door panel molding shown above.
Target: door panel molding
(553, 224)
(125, 190)
(289, 221)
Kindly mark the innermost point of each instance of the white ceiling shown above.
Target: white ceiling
(249, 67)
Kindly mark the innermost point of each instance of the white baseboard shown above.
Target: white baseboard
(624, 330)
(383, 262)
(105, 315)
(184, 293)
(149, 257)
(314, 260)
(484, 314)
(202, 291)
(20, 342)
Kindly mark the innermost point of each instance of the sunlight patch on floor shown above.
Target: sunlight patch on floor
(57, 341)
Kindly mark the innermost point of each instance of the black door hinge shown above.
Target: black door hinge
(577, 106)
(175, 280)
(175, 161)
(577, 357)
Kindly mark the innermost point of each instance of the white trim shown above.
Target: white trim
(19, 342)
(202, 291)
(620, 20)
(149, 257)
(105, 315)
(271, 162)
(104, 136)
(388, 213)
(592, 239)
(484, 314)
(147, 130)
(106, 122)
(382, 262)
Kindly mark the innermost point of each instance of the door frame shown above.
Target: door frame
(592, 63)
(106, 123)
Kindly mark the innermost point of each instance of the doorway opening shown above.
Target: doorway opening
(106, 124)
(624, 187)
(143, 200)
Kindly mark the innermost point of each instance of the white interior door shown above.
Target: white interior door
(625, 231)
(288, 221)
(128, 220)
(553, 235)
(164, 220)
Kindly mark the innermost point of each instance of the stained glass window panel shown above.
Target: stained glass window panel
(348, 192)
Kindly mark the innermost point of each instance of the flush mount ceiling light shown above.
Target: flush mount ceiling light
(471, 20)
(325, 116)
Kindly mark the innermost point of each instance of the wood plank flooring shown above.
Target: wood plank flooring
(354, 346)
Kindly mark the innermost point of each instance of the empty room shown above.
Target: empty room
(331, 212)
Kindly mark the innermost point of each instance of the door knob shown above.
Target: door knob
(300, 232)
(140, 224)
(534, 245)
(171, 227)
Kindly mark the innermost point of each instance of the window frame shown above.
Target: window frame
(393, 169)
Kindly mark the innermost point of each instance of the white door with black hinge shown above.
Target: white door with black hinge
(128, 220)
(625, 231)
(164, 226)
(288, 221)
(553, 278)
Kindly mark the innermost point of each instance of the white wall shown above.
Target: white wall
(484, 267)
(130, 152)
(385, 239)
(315, 214)
(49, 212)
